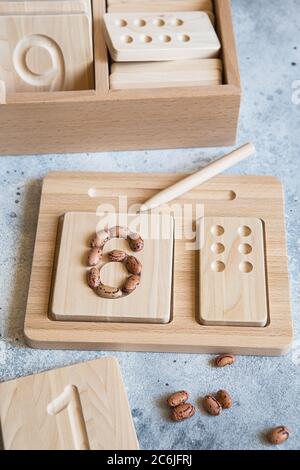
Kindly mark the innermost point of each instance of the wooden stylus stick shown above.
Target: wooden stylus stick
(199, 178)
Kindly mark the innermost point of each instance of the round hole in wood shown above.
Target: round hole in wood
(127, 39)
(245, 231)
(217, 230)
(218, 248)
(218, 266)
(177, 22)
(165, 38)
(184, 38)
(245, 249)
(146, 39)
(121, 23)
(246, 267)
(159, 22)
(140, 22)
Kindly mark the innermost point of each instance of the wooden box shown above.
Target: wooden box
(102, 120)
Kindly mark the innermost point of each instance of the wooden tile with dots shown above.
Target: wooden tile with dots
(146, 36)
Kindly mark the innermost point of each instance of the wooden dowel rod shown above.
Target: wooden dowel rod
(205, 174)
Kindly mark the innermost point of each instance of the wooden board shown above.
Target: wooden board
(232, 272)
(37, 51)
(74, 300)
(81, 407)
(227, 196)
(196, 72)
(133, 37)
(44, 7)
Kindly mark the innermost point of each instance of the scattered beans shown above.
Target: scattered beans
(224, 399)
(279, 435)
(182, 412)
(224, 360)
(211, 405)
(178, 398)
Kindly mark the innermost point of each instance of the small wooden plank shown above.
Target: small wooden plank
(43, 7)
(158, 5)
(81, 407)
(196, 72)
(156, 37)
(232, 272)
(74, 300)
(231, 196)
(37, 52)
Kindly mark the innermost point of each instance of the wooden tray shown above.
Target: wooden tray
(225, 196)
(106, 119)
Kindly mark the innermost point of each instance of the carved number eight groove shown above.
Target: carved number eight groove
(132, 264)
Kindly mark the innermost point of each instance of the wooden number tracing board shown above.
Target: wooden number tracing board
(236, 204)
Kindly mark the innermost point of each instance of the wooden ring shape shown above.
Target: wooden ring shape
(132, 264)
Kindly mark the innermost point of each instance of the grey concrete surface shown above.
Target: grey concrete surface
(265, 390)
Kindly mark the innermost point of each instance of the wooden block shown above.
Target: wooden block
(158, 37)
(196, 72)
(74, 300)
(45, 7)
(232, 272)
(158, 5)
(258, 197)
(38, 52)
(81, 407)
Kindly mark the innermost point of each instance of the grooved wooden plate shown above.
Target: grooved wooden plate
(225, 196)
(73, 299)
(82, 407)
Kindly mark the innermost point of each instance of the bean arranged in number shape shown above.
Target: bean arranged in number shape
(132, 264)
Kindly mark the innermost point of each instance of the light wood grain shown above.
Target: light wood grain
(109, 120)
(38, 53)
(236, 196)
(213, 169)
(74, 300)
(31, 420)
(2, 92)
(202, 72)
(165, 36)
(158, 5)
(232, 289)
(44, 7)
